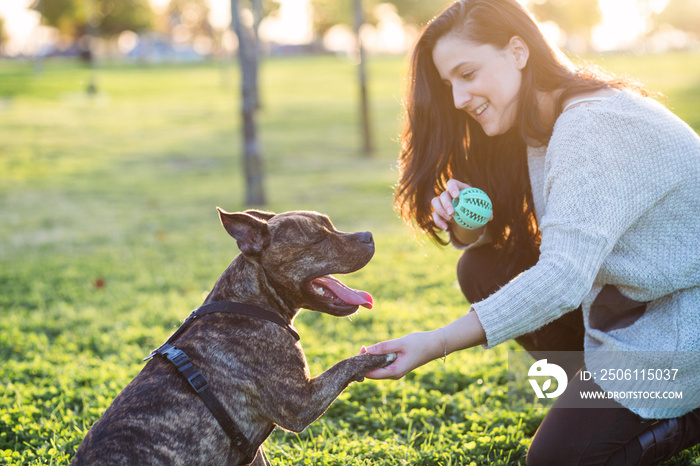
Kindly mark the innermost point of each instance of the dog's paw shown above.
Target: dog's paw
(383, 360)
(391, 357)
(369, 362)
(378, 361)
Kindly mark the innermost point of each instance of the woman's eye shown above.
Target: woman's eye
(468, 76)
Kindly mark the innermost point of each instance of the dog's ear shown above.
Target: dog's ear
(250, 232)
(260, 214)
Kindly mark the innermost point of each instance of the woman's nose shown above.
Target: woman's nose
(461, 97)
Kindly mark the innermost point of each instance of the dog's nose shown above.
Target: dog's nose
(366, 237)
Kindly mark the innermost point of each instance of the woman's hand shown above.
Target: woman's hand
(412, 350)
(416, 349)
(442, 205)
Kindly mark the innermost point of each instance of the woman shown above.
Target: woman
(593, 242)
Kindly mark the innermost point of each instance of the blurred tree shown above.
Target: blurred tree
(3, 35)
(358, 13)
(683, 15)
(108, 18)
(353, 13)
(246, 17)
(327, 13)
(188, 19)
(574, 17)
(249, 55)
(418, 12)
(112, 18)
(265, 8)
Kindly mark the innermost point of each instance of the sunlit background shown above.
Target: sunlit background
(636, 25)
(110, 173)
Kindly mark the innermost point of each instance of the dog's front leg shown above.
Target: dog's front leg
(310, 399)
(261, 458)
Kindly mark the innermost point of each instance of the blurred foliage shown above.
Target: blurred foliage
(110, 237)
(190, 15)
(108, 18)
(3, 33)
(683, 15)
(418, 12)
(572, 16)
(328, 13)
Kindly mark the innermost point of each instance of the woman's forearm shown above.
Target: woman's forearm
(464, 332)
(416, 349)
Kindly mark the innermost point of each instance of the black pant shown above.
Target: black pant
(578, 436)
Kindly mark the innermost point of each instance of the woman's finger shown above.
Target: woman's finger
(388, 372)
(455, 186)
(385, 347)
(446, 201)
(438, 207)
(440, 222)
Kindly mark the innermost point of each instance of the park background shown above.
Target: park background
(111, 168)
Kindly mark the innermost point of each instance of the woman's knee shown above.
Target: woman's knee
(468, 277)
(540, 454)
(554, 443)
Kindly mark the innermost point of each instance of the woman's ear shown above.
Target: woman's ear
(520, 51)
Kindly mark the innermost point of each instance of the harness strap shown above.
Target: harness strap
(200, 385)
(196, 379)
(247, 310)
(232, 308)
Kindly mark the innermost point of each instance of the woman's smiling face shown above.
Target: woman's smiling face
(484, 79)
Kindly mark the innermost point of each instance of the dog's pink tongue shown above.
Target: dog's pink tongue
(350, 296)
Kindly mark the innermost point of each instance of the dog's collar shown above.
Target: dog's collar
(233, 308)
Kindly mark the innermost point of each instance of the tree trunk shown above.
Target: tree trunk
(91, 33)
(257, 19)
(364, 106)
(252, 160)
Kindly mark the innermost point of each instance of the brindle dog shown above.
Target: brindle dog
(255, 368)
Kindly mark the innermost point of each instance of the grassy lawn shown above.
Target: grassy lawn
(109, 238)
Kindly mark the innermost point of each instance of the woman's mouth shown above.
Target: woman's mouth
(481, 109)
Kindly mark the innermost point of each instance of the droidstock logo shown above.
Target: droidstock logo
(542, 368)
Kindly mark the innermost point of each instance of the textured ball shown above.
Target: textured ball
(472, 208)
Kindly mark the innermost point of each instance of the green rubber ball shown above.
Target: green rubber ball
(473, 208)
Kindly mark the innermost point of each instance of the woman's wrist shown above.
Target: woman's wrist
(462, 236)
(465, 332)
(438, 344)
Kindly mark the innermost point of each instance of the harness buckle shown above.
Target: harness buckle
(178, 357)
(198, 382)
(174, 355)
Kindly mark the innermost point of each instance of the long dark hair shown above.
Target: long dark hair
(440, 142)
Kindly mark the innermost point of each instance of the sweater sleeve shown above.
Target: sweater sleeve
(599, 179)
(483, 239)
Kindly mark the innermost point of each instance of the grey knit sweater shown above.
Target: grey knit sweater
(617, 197)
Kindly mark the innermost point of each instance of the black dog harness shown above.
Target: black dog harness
(196, 379)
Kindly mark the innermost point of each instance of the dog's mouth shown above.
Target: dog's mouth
(337, 297)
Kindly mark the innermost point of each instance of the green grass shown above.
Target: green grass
(109, 237)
